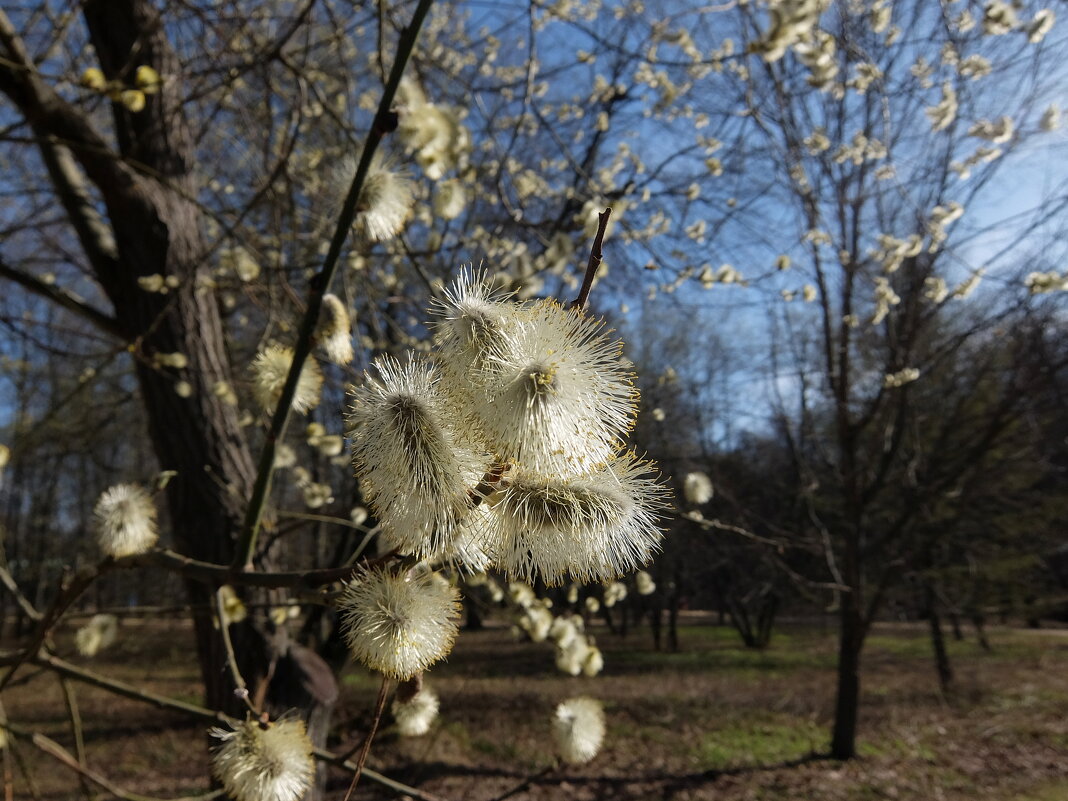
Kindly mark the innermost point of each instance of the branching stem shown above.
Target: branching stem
(595, 260)
(383, 123)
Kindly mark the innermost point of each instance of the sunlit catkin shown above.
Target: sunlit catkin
(264, 762)
(334, 332)
(415, 715)
(125, 520)
(595, 526)
(269, 370)
(96, 635)
(697, 487)
(578, 728)
(398, 624)
(553, 391)
(416, 468)
(385, 201)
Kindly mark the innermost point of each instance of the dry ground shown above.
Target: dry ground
(714, 721)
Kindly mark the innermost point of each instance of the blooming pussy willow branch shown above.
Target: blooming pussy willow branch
(334, 331)
(125, 520)
(399, 624)
(269, 370)
(264, 762)
(595, 526)
(415, 467)
(553, 392)
(432, 132)
(578, 728)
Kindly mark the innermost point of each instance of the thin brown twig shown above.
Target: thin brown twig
(64, 598)
(231, 658)
(595, 260)
(9, 779)
(62, 755)
(210, 572)
(380, 705)
(27, 608)
(24, 769)
(71, 701)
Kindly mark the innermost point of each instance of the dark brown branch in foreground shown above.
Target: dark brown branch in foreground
(206, 572)
(211, 573)
(595, 260)
(67, 595)
(65, 668)
(62, 755)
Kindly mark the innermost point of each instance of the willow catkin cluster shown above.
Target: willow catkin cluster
(264, 762)
(578, 729)
(96, 635)
(535, 397)
(125, 520)
(415, 715)
(334, 331)
(399, 623)
(415, 464)
(269, 371)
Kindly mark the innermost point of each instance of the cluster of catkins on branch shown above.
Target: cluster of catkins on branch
(500, 449)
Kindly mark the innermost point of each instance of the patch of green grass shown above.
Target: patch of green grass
(758, 742)
(1055, 791)
(719, 648)
(897, 748)
(504, 751)
(1010, 646)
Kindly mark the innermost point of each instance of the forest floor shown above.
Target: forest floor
(712, 721)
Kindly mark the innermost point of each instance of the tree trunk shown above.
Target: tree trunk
(769, 607)
(938, 641)
(847, 702)
(954, 622)
(473, 615)
(979, 621)
(153, 228)
(673, 616)
(606, 614)
(740, 621)
(655, 618)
